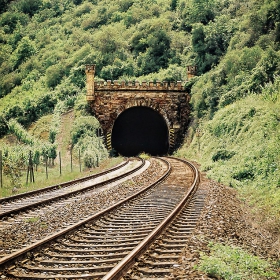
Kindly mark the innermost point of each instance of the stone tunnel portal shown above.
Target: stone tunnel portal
(140, 129)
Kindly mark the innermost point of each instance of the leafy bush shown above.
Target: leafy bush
(84, 138)
(152, 48)
(29, 7)
(84, 125)
(222, 155)
(265, 71)
(13, 168)
(118, 69)
(247, 174)
(24, 50)
(43, 148)
(9, 82)
(92, 149)
(9, 21)
(82, 107)
(233, 263)
(248, 129)
(84, 9)
(54, 75)
(91, 158)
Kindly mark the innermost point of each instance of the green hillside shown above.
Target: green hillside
(235, 44)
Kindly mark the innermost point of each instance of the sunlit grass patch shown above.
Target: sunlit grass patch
(240, 147)
(54, 177)
(233, 263)
(144, 156)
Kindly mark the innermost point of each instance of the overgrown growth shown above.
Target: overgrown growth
(233, 263)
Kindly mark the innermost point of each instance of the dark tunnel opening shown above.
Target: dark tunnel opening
(140, 129)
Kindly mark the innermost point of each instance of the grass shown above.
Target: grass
(240, 147)
(54, 177)
(32, 219)
(144, 156)
(233, 263)
(40, 130)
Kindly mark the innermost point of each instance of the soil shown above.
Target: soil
(64, 137)
(228, 220)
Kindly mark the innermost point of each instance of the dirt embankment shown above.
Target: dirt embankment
(228, 220)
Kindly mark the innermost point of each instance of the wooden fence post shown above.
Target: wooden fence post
(1, 170)
(30, 170)
(71, 154)
(47, 167)
(80, 160)
(59, 163)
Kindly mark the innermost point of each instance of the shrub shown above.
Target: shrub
(246, 174)
(77, 76)
(233, 263)
(9, 21)
(92, 149)
(82, 107)
(54, 75)
(222, 155)
(24, 50)
(29, 7)
(83, 126)
(13, 168)
(84, 9)
(90, 159)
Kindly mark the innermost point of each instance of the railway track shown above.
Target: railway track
(22, 202)
(26, 228)
(107, 244)
(161, 259)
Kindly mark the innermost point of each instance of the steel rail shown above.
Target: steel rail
(122, 267)
(65, 184)
(5, 261)
(43, 201)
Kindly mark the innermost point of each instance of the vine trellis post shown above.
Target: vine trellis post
(1, 170)
(60, 163)
(80, 160)
(30, 170)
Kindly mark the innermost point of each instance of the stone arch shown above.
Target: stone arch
(144, 102)
(139, 102)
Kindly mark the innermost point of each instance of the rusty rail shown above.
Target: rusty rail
(65, 184)
(119, 270)
(29, 206)
(5, 261)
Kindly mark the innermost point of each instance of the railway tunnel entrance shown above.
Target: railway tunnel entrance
(140, 129)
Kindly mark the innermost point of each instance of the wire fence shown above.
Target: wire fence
(31, 165)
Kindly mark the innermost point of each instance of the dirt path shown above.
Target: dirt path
(64, 137)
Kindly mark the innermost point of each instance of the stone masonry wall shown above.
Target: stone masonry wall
(109, 99)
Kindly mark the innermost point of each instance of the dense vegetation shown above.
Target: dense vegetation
(235, 132)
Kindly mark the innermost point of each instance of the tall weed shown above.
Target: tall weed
(240, 147)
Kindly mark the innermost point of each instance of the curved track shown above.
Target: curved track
(15, 204)
(107, 244)
(162, 257)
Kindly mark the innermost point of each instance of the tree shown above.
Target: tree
(9, 21)
(210, 42)
(24, 50)
(29, 7)
(266, 70)
(13, 168)
(173, 5)
(54, 75)
(151, 46)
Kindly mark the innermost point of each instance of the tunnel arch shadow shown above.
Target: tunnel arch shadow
(140, 129)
